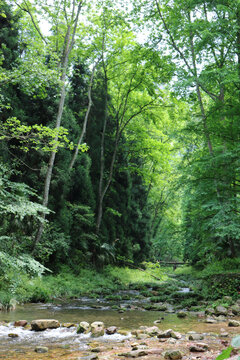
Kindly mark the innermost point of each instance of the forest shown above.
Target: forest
(119, 135)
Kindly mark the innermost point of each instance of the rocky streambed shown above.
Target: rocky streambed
(189, 337)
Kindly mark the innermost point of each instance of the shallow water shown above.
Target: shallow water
(78, 311)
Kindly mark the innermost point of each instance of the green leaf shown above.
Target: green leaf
(225, 354)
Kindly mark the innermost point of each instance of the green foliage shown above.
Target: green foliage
(226, 353)
(14, 197)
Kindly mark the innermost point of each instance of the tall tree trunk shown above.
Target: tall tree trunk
(69, 42)
(90, 103)
(102, 159)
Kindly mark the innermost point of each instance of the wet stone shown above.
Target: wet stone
(43, 324)
(41, 349)
(83, 328)
(196, 337)
(111, 330)
(220, 310)
(234, 323)
(12, 335)
(210, 321)
(20, 323)
(224, 335)
(181, 314)
(199, 347)
(68, 325)
(172, 354)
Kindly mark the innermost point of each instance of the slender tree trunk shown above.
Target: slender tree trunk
(90, 103)
(102, 161)
(69, 41)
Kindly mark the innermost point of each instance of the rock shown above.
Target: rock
(134, 354)
(227, 299)
(234, 323)
(209, 311)
(171, 341)
(12, 335)
(199, 347)
(221, 318)
(68, 325)
(22, 323)
(236, 309)
(83, 328)
(152, 331)
(41, 349)
(162, 340)
(224, 335)
(96, 350)
(220, 310)
(97, 328)
(196, 337)
(210, 320)
(123, 332)
(172, 354)
(43, 324)
(169, 333)
(111, 330)
(165, 334)
(181, 314)
(88, 357)
(176, 335)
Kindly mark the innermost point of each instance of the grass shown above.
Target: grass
(67, 285)
(91, 283)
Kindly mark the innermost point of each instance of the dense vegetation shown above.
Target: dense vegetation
(119, 134)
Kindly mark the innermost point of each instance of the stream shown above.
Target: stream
(83, 310)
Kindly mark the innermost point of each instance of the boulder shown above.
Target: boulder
(198, 347)
(172, 354)
(223, 334)
(111, 330)
(234, 323)
(221, 318)
(169, 333)
(97, 328)
(236, 309)
(20, 323)
(181, 314)
(165, 334)
(41, 349)
(152, 331)
(68, 325)
(210, 320)
(176, 335)
(220, 310)
(171, 341)
(196, 337)
(83, 328)
(43, 324)
(209, 311)
(134, 354)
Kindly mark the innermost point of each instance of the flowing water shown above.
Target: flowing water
(83, 310)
